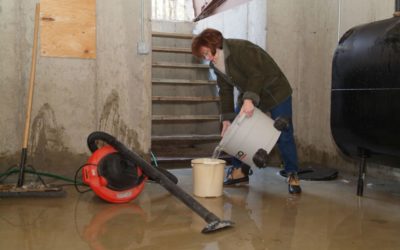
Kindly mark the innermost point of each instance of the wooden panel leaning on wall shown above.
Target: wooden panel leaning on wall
(68, 28)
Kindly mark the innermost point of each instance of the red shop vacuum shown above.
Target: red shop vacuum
(118, 175)
(111, 177)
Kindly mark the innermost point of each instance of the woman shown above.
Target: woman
(260, 82)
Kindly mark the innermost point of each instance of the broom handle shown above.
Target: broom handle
(30, 98)
(32, 79)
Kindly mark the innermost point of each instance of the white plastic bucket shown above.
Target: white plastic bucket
(248, 134)
(208, 177)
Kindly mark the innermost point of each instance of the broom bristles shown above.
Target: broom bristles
(31, 191)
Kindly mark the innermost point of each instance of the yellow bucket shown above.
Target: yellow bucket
(208, 177)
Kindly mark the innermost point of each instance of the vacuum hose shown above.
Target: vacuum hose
(214, 223)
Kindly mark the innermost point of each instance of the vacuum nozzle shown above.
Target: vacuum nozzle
(217, 225)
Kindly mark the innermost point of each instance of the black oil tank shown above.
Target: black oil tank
(365, 97)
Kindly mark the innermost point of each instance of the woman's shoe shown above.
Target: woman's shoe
(294, 184)
(246, 171)
(231, 181)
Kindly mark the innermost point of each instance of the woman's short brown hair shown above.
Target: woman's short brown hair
(209, 38)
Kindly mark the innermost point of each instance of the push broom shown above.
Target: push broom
(31, 190)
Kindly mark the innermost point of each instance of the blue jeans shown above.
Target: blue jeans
(286, 143)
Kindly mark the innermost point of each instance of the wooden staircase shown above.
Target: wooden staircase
(185, 113)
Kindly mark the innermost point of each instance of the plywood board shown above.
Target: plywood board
(68, 28)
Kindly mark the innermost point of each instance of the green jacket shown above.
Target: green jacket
(254, 73)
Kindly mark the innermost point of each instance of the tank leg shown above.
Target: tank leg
(361, 172)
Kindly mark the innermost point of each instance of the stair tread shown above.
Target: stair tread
(172, 49)
(187, 98)
(188, 158)
(172, 35)
(180, 65)
(185, 137)
(182, 81)
(184, 117)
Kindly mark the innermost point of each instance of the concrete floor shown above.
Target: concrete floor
(328, 215)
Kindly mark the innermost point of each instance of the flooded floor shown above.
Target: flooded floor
(327, 215)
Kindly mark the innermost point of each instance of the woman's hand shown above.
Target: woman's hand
(247, 108)
(225, 126)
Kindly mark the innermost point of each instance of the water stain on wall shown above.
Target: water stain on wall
(111, 122)
(46, 135)
(46, 149)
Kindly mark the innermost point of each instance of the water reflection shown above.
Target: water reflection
(266, 221)
(23, 217)
(130, 219)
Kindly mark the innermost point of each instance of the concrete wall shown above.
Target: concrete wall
(302, 36)
(74, 97)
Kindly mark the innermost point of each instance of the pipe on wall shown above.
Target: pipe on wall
(208, 8)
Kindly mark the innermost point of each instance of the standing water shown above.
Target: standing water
(217, 152)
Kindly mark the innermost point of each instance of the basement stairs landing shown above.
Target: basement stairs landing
(185, 112)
